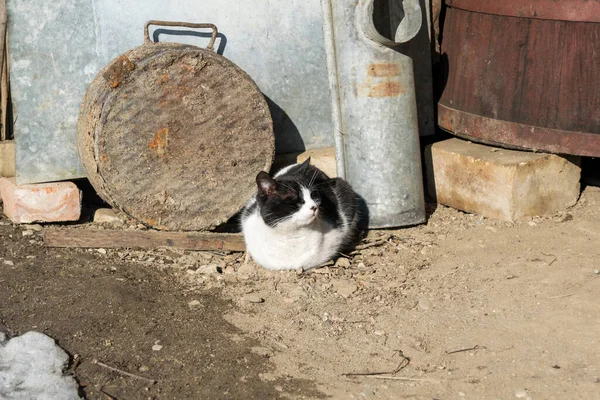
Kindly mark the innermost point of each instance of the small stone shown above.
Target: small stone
(30, 257)
(141, 226)
(564, 218)
(296, 293)
(209, 269)
(379, 333)
(28, 232)
(106, 216)
(8, 262)
(342, 262)
(35, 227)
(229, 270)
(157, 347)
(254, 299)
(262, 351)
(101, 251)
(246, 269)
(344, 287)
(597, 271)
(194, 304)
(361, 265)
(531, 223)
(424, 303)
(144, 368)
(462, 394)
(299, 271)
(522, 394)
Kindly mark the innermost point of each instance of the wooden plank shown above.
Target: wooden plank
(95, 238)
(3, 72)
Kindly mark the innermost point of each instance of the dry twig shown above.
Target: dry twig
(405, 378)
(108, 396)
(562, 296)
(403, 364)
(549, 255)
(372, 244)
(476, 347)
(120, 371)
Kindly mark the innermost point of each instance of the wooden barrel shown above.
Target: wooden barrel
(523, 74)
(174, 135)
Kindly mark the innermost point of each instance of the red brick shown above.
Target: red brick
(42, 202)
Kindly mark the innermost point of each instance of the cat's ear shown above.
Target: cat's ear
(266, 184)
(304, 165)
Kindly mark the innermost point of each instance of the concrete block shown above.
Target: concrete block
(44, 202)
(7, 158)
(498, 183)
(323, 158)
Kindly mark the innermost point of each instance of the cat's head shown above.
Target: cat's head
(289, 201)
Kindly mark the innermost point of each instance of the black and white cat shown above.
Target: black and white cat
(300, 218)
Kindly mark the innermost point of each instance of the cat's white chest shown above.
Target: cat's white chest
(305, 248)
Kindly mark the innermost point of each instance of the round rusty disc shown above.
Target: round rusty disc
(174, 135)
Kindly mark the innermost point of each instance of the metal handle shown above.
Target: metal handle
(407, 30)
(184, 24)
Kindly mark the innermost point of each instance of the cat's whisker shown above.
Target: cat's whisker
(282, 219)
(313, 178)
(319, 184)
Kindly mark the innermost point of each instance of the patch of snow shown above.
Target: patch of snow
(31, 367)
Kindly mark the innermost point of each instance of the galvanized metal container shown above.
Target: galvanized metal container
(523, 74)
(173, 134)
(375, 110)
(56, 48)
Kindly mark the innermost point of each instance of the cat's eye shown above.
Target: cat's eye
(315, 195)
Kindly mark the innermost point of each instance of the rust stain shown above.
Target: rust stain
(188, 67)
(383, 70)
(386, 89)
(160, 141)
(164, 78)
(118, 71)
(49, 190)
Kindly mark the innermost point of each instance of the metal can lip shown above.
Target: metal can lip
(564, 10)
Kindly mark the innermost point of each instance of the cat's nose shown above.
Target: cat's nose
(314, 207)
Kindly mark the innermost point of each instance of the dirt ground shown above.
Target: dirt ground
(462, 307)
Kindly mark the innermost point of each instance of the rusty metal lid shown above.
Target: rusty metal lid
(563, 10)
(174, 134)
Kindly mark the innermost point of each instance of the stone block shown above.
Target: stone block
(323, 158)
(7, 158)
(498, 183)
(107, 216)
(43, 202)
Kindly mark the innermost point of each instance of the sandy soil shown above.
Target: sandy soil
(462, 307)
